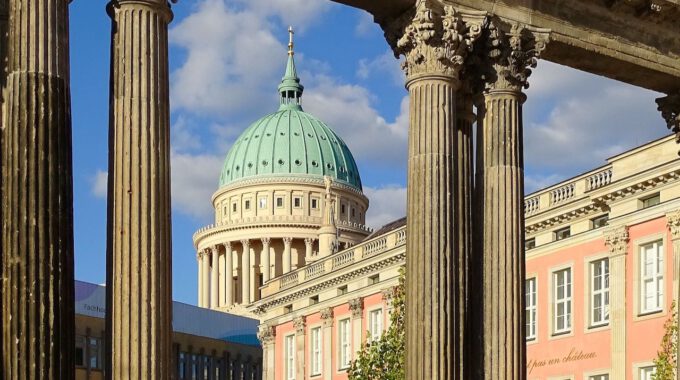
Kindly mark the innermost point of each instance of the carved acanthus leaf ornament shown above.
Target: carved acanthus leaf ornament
(300, 323)
(327, 316)
(266, 334)
(669, 106)
(505, 55)
(356, 305)
(673, 219)
(616, 239)
(434, 41)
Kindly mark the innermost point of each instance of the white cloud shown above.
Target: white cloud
(385, 63)
(194, 180)
(100, 184)
(387, 204)
(365, 24)
(298, 13)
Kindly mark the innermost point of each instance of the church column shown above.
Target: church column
(37, 204)
(435, 43)
(205, 264)
(139, 248)
(267, 335)
(254, 287)
(229, 273)
(221, 275)
(245, 273)
(300, 324)
(4, 16)
(199, 261)
(214, 277)
(505, 55)
(673, 219)
(286, 254)
(356, 306)
(616, 238)
(327, 339)
(264, 259)
(309, 244)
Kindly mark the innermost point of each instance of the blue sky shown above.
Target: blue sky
(227, 57)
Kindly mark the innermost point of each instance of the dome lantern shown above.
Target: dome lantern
(290, 87)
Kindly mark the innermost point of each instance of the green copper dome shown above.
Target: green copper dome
(290, 142)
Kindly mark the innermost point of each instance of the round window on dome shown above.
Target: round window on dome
(309, 135)
(282, 133)
(315, 164)
(250, 164)
(298, 162)
(265, 163)
(296, 134)
(281, 162)
(237, 168)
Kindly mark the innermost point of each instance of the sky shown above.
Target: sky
(227, 58)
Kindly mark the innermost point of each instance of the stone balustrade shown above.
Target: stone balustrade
(336, 261)
(562, 194)
(599, 179)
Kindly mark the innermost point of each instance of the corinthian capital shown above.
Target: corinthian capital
(670, 111)
(266, 334)
(434, 39)
(673, 220)
(616, 239)
(506, 54)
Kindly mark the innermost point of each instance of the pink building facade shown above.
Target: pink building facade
(602, 267)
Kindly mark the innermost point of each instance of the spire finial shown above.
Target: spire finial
(290, 41)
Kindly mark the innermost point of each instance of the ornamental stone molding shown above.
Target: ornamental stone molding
(616, 239)
(287, 240)
(669, 107)
(266, 241)
(673, 220)
(245, 243)
(356, 305)
(266, 334)
(327, 316)
(505, 56)
(434, 41)
(300, 323)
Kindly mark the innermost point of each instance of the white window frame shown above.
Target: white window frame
(375, 324)
(262, 203)
(344, 344)
(316, 352)
(599, 376)
(289, 358)
(645, 372)
(531, 307)
(565, 276)
(655, 279)
(599, 287)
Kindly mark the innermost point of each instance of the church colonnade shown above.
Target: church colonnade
(267, 258)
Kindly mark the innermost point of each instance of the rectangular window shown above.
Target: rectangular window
(233, 207)
(372, 280)
(313, 300)
(316, 351)
(182, 366)
(315, 203)
(263, 202)
(650, 201)
(342, 209)
(297, 202)
(647, 372)
(599, 222)
(530, 244)
(562, 301)
(375, 324)
(247, 205)
(342, 290)
(287, 309)
(651, 277)
(289, 347)
(530, 311)
(279, 202)
(599, 296)
(225, 210)
(80, 351)
(95, 361)
(562, 233)
(344, 353)
(599, 377)
(353, 212)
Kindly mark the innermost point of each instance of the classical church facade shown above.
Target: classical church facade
(289, 246)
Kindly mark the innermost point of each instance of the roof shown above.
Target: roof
(290, 142)
(187, 319)
(387, 228)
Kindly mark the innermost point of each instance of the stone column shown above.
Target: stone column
(199, 260)
(309, 244)
(4, 17)
(300, 325)
(267, 335)
(245, 272)
(221, 276)
(616, 238)
(504, 57)
(205, 264)
(673, 219)
(286, 254)
(37, 194)
(264, 259)
(327, 338)
(435, 44)
(254, 286)
(356, 306)
(229, 263)
(139, 248)
(214, 278)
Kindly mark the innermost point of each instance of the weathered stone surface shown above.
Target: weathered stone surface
(139, 252)
(4, 16)
(37, 198)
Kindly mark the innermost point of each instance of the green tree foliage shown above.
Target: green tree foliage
(666, 360)
(383, 359)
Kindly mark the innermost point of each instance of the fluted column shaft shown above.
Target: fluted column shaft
(214, 278)
(4, 17)
(309, 243)
(245, 272)
(205, 278)
(37, 203)
(264, 259)
(139, 251)
(229, 286)
(200, 278)
(501, 195)
(287, 254)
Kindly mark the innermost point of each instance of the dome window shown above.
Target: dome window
(323, 137)
(250, 165)
(309, 135)
(296, 134)
(257, 136)
(228, 172)
(315, 164)
(329, 166)
(298, 162)
(269, 134)
(237, 168)
(264, 163)
(283, 133)
(281, 162)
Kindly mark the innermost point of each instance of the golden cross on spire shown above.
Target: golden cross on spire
(290, 42)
